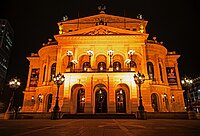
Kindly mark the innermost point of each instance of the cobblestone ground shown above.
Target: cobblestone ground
(100, 127)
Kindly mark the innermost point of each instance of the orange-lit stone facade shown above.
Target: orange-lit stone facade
(101, 82)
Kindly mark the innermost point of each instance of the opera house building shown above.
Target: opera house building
(99, 56)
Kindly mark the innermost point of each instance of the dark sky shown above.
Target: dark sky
(175, 22)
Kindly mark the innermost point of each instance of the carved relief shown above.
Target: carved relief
(100, 31)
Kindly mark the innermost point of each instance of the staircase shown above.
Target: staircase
(98, 116)
(1, 116)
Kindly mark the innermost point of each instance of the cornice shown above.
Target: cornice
(101, 39)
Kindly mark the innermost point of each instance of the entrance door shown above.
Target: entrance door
(80, 100)
(101, 101)
(154, 102)
(49, 102)
(120, 101)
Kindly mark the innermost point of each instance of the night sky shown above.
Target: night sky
(175, 22)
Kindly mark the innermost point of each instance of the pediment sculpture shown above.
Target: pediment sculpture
(100, 31)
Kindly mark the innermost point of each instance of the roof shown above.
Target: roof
(105, 17)
(102, 30)
(102, 19)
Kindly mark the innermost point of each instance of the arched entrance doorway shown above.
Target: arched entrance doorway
(101, 101)
(80, 100)
(154, 102)
(49, 102)
(120, 101)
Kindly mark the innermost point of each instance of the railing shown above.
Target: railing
(99, 71)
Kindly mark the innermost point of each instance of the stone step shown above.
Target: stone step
(98, 116)
(1, 116)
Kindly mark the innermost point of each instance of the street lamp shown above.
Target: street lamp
(139, 79)
(58, 80)
(128, 62)
(40, 98)
(164, 97)
(110, 53)
(172, 98)
(69, 54)
(74, 63)
(187, 83)
(14, 84)
(90, 54)
(130, 53)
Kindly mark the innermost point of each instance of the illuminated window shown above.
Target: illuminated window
(117, 66)
(101, 66)
(44, 73)
(86, 65)
(150, 70)
(53, 70)
(161, 76)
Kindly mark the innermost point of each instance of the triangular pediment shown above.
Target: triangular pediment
(105, 17)
(102, 30)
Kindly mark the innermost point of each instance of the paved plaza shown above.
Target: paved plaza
(100, 127)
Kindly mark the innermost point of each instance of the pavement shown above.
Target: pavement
(100, 127)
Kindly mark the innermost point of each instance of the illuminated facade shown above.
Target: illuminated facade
(99, 55)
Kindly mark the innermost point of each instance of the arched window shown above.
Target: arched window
(116, 66)
(161, 76)
(86, 65)
(44, 73)
(150, 70)
(133, 64)
(102, 66)
(53, 70)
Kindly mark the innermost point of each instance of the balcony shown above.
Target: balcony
(89, 70)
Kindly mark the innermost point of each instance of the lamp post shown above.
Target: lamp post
(90, 54)
(58, 80)
(14, 84)
(130, 53)
(110, 53)
(74, 63)
(128, 62)
(69, 54)
(187, 83)
(139, 79)
(172, 98)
